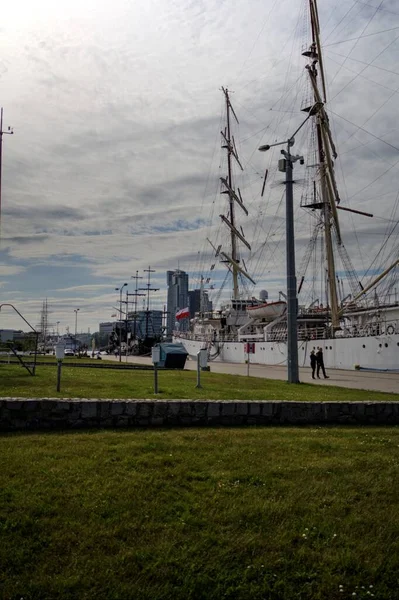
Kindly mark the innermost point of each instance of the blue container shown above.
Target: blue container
(173, 356)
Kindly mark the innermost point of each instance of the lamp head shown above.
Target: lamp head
(264, 148)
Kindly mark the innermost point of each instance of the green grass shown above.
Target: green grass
(106, 383)
(243, 514)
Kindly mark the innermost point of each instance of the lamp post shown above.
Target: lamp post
(286, 165)
(76, 310)
(120, 319)
(8, 132)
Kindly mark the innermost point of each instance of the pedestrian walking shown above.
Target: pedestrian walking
(313, 362)
(320, 363)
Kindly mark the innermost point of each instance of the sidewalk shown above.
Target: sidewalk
(363, 380)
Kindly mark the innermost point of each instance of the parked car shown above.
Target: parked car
(69, 352)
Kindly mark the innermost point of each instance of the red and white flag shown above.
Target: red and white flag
(182, 314)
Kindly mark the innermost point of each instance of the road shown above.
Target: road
(364, 380)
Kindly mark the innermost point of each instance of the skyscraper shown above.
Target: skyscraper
(198, 300)
(177, 298)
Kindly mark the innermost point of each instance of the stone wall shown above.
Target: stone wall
(42, 414)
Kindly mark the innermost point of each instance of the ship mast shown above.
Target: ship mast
(233, 259)
(326, 153)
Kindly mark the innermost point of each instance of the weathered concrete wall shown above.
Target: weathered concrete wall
(36, 414)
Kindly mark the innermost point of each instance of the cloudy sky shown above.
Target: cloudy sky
(116, 109)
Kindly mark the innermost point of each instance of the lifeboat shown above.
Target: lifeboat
(268, 310)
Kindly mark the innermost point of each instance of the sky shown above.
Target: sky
(114, 163)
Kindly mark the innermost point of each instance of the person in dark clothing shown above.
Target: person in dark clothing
(320, 363)
(313, 362)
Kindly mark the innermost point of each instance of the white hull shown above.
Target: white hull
(371, 352)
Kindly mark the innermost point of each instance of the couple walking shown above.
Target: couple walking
(316, 359)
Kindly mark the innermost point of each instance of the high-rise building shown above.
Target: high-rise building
(195, 304)
(177, 298)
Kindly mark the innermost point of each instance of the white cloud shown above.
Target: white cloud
(116, 111)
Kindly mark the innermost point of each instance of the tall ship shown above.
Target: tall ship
(355, 320)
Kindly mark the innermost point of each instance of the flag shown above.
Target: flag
(182, 314)
(114, 315)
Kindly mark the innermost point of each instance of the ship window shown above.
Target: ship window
(380, 345)
(386, 345)
(398, 345)
(364, 345)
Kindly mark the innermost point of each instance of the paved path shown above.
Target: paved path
(379, 382)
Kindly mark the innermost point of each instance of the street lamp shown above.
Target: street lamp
(286, 165)
(8, 132)
(76, 310)
(120, 319)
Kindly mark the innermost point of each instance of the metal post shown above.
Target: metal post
(59, 365)
(126, 318)
(198, 371)
(292, 303)
(120, 324)
(76, 325)
(155, 379)
(248, 360)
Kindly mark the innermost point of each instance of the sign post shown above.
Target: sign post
(202, 363)
(156, 357)
(59, 353)
(249, 349)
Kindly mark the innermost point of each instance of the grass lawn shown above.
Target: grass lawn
(15, 381)
(243, 514)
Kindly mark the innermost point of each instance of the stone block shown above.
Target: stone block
(62, 406)
(213, 409)
(200, 410)
(239, 419)
(104, 410)
(144, 409)
(185, 409)
(117, 408)
(19, 424)
(131, 408)
(241, 408)
(267, 409)
(31, 405)
(48, 405)
(331, 412)
(227, 420)
(121, 421)
(254, 408)
(173, 409)
(228, 409)
(88, 410)
(160, 409)
(14, 404)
